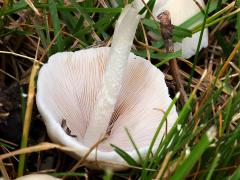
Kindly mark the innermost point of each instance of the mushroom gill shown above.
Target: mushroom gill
(70, 82)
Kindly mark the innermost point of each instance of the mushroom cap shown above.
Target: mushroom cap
(180, 11)
(37, 177)
(67, 87)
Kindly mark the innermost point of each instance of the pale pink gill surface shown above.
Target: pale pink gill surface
(72, 81)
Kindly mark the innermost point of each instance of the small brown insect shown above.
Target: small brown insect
(66, 129)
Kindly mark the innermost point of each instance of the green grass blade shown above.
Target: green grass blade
(236, 175)
(20, 5)
(23, 103)
(150, 4)
(225, 46)
(4, 144)
(238, 20)
(213, 166)
(68, 174)
(108, 174)
(186, 166)
(164, 58)
(56, 24)
(212, 7)
(125, 155)
(134, 145)
(227, 114)
(199, 44)
(238, 27)
(213, 17)
(163, 120)
(68, 18)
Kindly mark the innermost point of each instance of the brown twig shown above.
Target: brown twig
(3, 170)
(146, 41)
(229, 59)
(164, 165)
(28, 113)
(37, 148)
(166, 32)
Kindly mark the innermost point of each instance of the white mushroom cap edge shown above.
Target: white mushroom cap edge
(37, 177)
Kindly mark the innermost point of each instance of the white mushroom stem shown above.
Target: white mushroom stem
(112, 79)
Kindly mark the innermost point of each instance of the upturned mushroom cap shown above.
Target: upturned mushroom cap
(180, 11)
(91, 93)
(67, 89)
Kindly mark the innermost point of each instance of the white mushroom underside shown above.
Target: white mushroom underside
(69, 83)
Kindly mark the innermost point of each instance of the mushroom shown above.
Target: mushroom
(37, 177)
(180, 11)
(85, 95)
